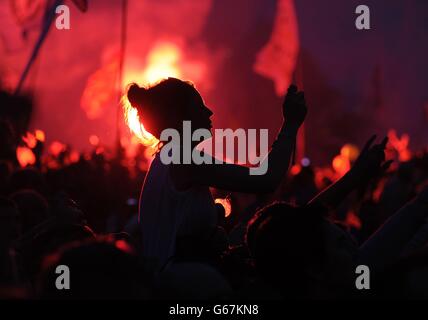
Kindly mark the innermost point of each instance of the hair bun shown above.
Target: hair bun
(135, 93)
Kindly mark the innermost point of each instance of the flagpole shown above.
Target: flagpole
(123, 38)
(47, 21)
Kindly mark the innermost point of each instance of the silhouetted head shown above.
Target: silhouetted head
(33, 208)
(99, 269)
(285, 240)
(297, 250)
(6, 170)
(47, 239)
(9, 221)
(27, 179)
(167, 104)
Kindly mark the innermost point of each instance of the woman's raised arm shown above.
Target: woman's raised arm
(239, 178)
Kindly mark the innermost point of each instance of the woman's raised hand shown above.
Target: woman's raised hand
(294, 107)
(371, 160)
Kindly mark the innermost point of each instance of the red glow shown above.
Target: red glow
(25, 156)
(352, 220)
(30, 140)
(100, 89)
(56, 148)
(277, 59)
(165, 59)
(99, 150)
(94, 140)
(162, 62)
(123, 245)
(74, 156)
(400, 144)
(341, 164)
(40, 135)
(377, 193)
(350, 151)
(295, 170)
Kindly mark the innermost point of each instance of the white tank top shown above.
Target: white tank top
(166, 213)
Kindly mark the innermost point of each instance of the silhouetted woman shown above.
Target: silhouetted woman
(176, 201)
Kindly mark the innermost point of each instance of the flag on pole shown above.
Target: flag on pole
(82, 5)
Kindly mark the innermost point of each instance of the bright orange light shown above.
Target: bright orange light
(341, 164)
(149, 153)
(132, 120)
(350, 151)
(400, 144)
(30, 140)
(162, 62)
(40, 135)
(226, 205)
(25, 156)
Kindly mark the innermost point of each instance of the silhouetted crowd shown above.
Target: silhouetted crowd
(84, 214)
